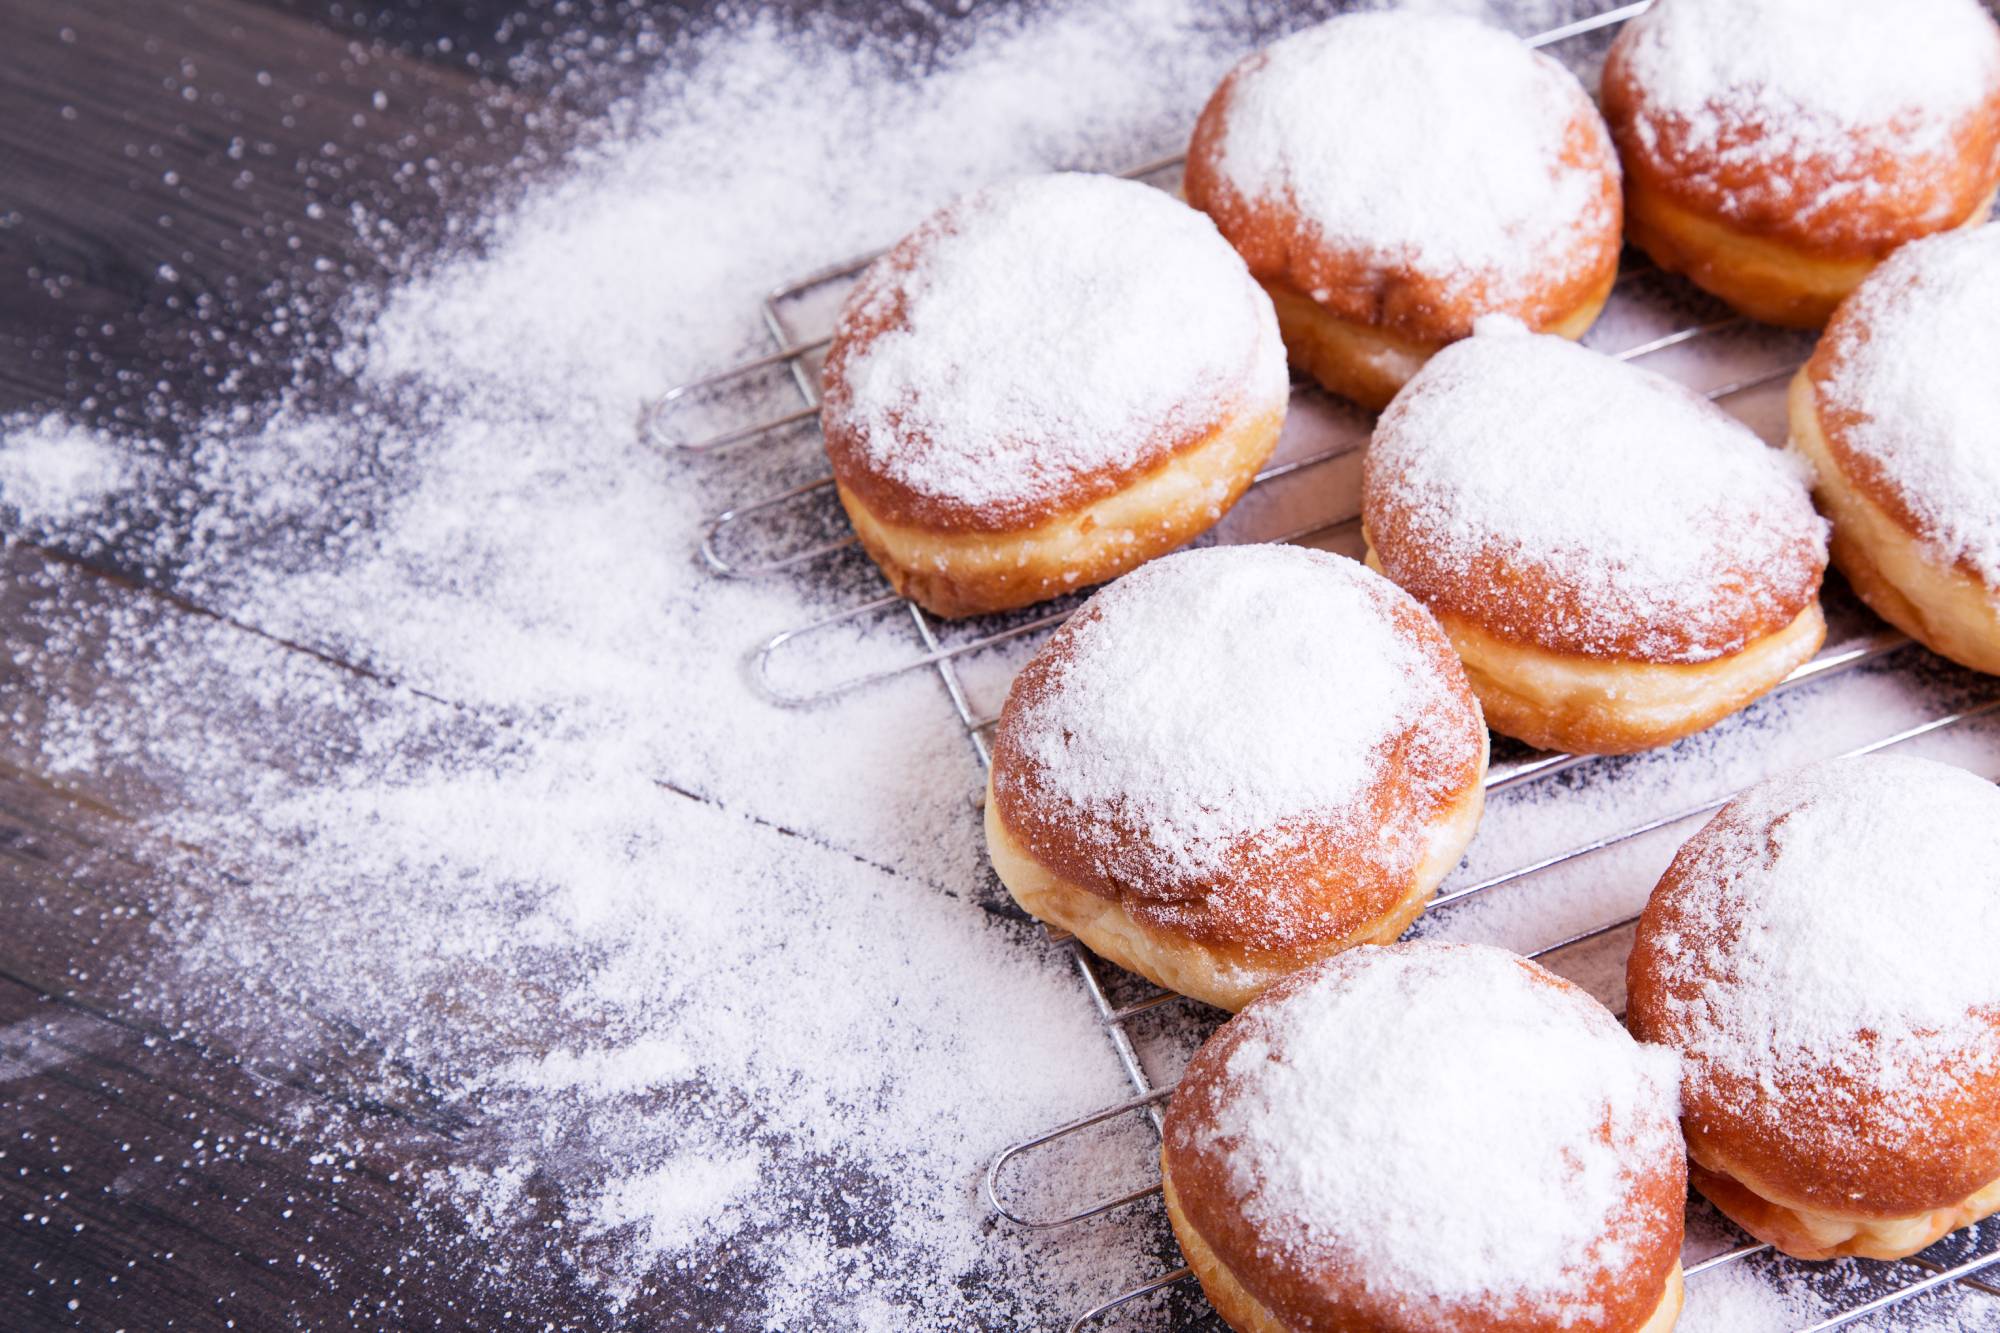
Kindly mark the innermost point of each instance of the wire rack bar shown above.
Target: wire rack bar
(1977, 1284)
(1888, 1299)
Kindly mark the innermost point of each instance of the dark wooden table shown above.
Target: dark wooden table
(168, 171)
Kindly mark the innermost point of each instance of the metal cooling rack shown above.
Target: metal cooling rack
(796, 358)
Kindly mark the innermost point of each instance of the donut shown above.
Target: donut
(1897, 413)
(1822, 956)
(1385, 209)
(1234, 762)
(1775, 151)
(1429, 1136)
(1044, 385)
(1618, 561)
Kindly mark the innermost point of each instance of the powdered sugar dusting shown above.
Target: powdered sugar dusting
(1662, 523)
(1211, 698)
(1030, 342)
(1395, 1088)
(52, 469)
(1783, 83)
(1840, 919)
(1911, 370)
(1427, 141)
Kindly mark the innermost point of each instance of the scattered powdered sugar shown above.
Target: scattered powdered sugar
(1425, 141)
(1027, 342)
(1912, 372)
(642, 933)
(1844, 917)
(1218, 695)
(687, 1201)
(1791, 82)
(52, 469)
(1404, 1086)
(1663, 523)
(1735, 1299)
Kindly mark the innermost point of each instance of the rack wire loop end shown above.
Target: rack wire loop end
(1144, 1101)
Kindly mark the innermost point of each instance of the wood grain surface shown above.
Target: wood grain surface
(179, 182)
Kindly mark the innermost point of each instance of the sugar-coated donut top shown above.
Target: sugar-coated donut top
(1221, 710)
(1823, 953)
(1812, 106)
(1555, 496)
(1427, 142)
(1908, 388)
(1038, 343)
(1215, 696)
(1442, 1131)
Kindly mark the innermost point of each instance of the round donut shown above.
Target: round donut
(1775, 151)
(1619, 562)
(1897, 411)
(1045, 385)
(1384, 209)
(1822, 956)
(1427, 1136)
(1235, 762)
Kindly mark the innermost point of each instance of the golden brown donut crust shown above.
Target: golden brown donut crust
(1367, 363)
(1835, 424)
(1221, 973)
(1206, 1210)
(1715, 183)
(1583, 705)
(1524, 602)
(1327, 885)
(1880, 548)
(1833, 1160)
(1246, 1314)
(1809, 1233)
(1732, 223)
(1289, 255)
(965, 573)
(892, 500)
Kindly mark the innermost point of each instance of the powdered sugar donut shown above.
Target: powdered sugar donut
(1776, 150)
(1898, 411)
(1234, 762)
(1391, 177)
(1822, 956)
(1429, 1136)
(1618, 561)
(1044, 385)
